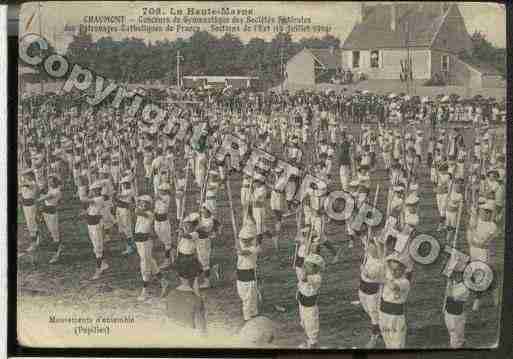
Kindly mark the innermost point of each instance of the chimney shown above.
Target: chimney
(362, 12)
(393, 16)
(443, 7)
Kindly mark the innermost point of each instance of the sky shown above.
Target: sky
(489, 18)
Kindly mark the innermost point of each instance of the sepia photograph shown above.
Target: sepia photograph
(260, 175)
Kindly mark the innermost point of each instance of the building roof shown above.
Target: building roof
(416, 25)
(330, 58)
(483, 68)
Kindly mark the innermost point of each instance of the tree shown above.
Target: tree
(79, 50)
(320, 43)
(134, 60)
(198, 53)
(252, 58)
(280, 49)
(226, 55)
(483, 51)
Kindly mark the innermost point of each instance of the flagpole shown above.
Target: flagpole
(178, 80)
(40, 35)
(410, 65)
(281, 68)
(407, 62)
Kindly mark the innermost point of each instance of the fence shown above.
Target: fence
(387, 86)
(374, 86)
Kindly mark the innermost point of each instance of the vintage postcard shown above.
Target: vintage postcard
(261, 174)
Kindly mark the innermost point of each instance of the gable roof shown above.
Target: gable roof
(329, 58)
(483, 68)
(417, 24)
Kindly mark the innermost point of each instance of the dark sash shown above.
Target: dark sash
(307, 301)
(392, 308)
(369, 288)
(246, 275)
(453, 306)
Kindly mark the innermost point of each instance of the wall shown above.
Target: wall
(390, 63)
(474, 78)
(364, 60)
(300, 69)
(436, 62)
(458, 74)
(421, 64)
(492, 81)
(466, 75)
(346, 59)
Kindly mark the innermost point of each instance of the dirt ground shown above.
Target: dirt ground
(66, 287)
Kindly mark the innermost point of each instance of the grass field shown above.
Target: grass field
(65, 287)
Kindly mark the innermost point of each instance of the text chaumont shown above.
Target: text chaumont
(104, 19)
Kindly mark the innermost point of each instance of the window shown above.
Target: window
(356, 59)
(374, 58)
(445, 63)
